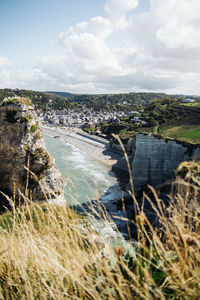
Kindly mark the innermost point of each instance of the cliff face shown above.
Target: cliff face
(155, 160)
(22, 145)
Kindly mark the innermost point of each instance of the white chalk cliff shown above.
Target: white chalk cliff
(155, 159)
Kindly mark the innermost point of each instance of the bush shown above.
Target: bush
(33, 128)
(25, 119)
(15, 100)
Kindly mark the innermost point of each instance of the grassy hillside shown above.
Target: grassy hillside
(185, 127)
(166, 117)
(197, 104)
(173, 120)
(190, 133)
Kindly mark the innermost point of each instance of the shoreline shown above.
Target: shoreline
(98, 150)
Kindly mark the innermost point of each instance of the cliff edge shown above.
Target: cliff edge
(26, 167)
(155, 159)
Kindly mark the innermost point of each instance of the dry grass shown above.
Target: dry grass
(48, 252)
(15, 100)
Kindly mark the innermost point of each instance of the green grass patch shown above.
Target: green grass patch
(197, 104)
(125, 134)
(33, 129)
(189, 133)
(155, 129)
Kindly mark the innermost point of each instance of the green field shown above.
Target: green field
(191, 104)
(190, 133)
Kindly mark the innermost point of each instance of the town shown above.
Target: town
(86, 117)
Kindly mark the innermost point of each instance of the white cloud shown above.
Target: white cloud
(118, 9)
(180, 22)
(98, 26)
(85, 50)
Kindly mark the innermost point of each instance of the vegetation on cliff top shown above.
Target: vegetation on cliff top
(15, 100)
(165, 117)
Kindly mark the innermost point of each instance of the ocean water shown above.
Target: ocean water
(86, 179)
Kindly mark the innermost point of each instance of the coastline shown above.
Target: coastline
(102, 153)
(97, 149)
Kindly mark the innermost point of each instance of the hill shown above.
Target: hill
(62, 94)
(165, 117)
(65, 100)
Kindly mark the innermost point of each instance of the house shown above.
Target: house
(124, 102)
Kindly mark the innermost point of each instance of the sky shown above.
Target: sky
(101, 46)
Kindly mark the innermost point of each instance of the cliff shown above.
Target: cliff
(26, 166)
(156, 159)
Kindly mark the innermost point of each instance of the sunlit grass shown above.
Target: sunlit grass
(190, 133)
(197, 104)
(50, 252)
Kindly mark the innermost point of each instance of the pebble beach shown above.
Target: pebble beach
(97, 148)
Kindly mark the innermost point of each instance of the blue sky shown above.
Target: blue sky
(100, 45)
(32, 26)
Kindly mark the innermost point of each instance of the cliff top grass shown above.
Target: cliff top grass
(196, 104)
(190, 143)
(127, 134)
(185, 132)
(48, 252)
(16, 100)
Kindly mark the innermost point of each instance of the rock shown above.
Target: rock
(26, 166)
(155, 160)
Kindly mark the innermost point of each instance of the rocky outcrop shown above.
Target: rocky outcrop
(26, 166)
(156, 159)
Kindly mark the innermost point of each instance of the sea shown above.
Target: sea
(86, 178)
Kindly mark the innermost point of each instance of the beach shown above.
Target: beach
(97, 148)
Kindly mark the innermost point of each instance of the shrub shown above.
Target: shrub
(25, 119)
(33, 128)
(15, 100)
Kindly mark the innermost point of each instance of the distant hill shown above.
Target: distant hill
(62, 94)
(65, 100)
